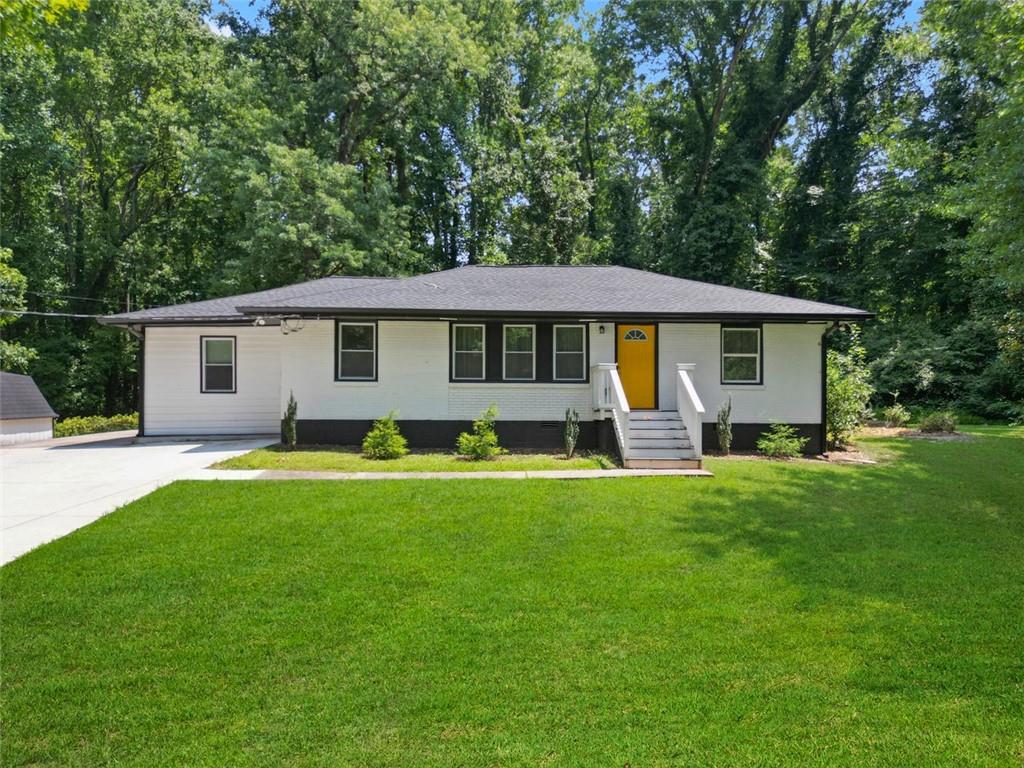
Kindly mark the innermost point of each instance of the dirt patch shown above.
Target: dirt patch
(849, 456)
(915, 434)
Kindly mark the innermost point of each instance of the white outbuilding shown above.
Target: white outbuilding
(24, 413)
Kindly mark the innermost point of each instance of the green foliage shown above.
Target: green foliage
(384, 440)
(725, 427)
(939, 421)
(782, 441)
(87, 425)
(289, 426)
(848, 391)
(571, 432)
(896, 415)
(482, 442)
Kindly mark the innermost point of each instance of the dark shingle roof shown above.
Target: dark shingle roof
(599, 291)
(20, 398)
(226, 308)
(558, 291)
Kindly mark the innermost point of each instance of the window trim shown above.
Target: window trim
(505, 352)
(482, 352)
(338, 324)
(202, 365)
(759, 355)
(555, 352)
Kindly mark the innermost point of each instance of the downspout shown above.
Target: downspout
(824, 383)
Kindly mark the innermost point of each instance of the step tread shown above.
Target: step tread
(654, 434)
(661, 453)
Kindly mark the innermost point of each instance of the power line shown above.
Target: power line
(45, 314)
(68, 296)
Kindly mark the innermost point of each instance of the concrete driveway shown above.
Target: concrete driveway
(49, 489)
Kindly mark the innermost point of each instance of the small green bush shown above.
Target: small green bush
(725, 427)
(87, 425)
(572, 431)
(289, 426)
(384, 440)
(896, 415)
(781, 442)
(482, 442)
(939, 421)
(847, 392)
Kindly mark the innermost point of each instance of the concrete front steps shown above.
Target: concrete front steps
(658, 440)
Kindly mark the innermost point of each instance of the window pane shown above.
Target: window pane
(739, 340)
(569, 339)
(469, 365)
(469, 338)
(518, 366)
(219, 350)
(518, 339)
(569, 365)
(739, 368)
(356, 365)
(219, 378)
(357, 337)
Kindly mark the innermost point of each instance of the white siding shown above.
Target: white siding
(791, 388)
(175, 406)
(25, 430)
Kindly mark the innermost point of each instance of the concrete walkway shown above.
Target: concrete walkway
(50, 488)
(550, 474)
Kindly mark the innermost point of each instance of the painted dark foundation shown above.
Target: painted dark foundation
(542, 435)
(745, 436)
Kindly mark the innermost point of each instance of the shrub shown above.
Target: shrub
(939, 421)
(896, 415)
(482, 442)
(384, 440)
(781, 442)
(289, 429)
(725, 427)
(87, 425)
(847, 392)
(572, 431)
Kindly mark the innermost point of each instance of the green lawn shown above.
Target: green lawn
(780, 614)
(331, 459)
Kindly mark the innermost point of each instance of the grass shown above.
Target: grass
(333, 459)
(780, 614)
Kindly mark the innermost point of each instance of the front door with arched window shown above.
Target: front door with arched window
(636, 355)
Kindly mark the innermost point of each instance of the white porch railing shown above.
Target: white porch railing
(690, 408)
(610, 396)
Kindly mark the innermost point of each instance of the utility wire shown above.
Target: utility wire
(44, 314)
(68, 296)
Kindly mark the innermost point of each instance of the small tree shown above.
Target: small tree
(847, 392)
(482, 442)
(725, 427)
(781, 442)
(289, 430)
(384, 440)
(572, 431)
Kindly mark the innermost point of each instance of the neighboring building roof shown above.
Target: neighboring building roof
(556, 291)
(225, 308)
(20, 398)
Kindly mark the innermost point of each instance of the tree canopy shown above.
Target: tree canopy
(158, 151)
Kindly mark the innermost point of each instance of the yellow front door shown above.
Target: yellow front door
(636, 358)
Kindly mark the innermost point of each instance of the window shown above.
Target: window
(357, 351)
(634, 334)
(570, 353)
(218, 364)
(741, 355)
(519, 348)
(468, 348)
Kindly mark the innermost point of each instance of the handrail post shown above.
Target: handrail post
(690, 408)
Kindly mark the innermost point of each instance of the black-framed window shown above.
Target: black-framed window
(469, 352)
(217, 364)
(519, 352)
(357, 351)
(742, 354)
(569, 350)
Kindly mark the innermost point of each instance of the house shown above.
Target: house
(645, 359)
(24, 413)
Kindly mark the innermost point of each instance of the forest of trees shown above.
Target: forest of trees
(850, 151)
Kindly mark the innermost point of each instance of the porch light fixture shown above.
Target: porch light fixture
(600, 329)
